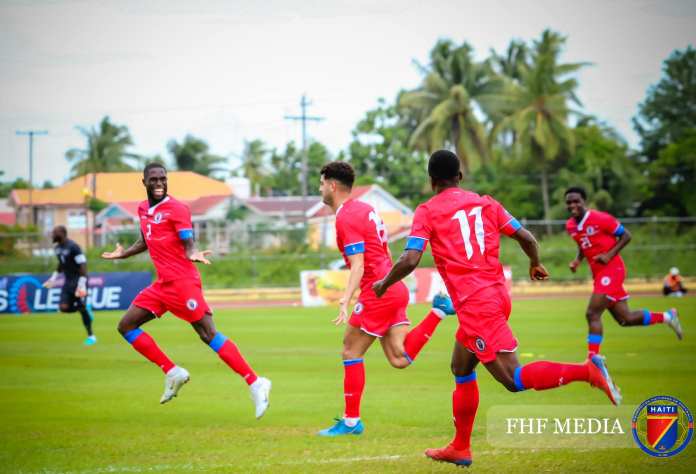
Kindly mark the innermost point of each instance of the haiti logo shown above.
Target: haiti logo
(20, 294)
(662, 426)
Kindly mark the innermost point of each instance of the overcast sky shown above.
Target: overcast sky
(227, 71)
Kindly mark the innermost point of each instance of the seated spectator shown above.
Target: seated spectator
(672, 285)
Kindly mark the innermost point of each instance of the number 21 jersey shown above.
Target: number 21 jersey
(464, 233)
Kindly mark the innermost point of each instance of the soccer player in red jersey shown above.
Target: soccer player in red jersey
(166, 232)
(464, 230)
(600, 238)
(361, 237)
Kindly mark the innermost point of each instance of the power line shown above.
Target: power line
(304, 118)
(31, 134)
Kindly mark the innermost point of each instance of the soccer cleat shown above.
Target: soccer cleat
(451, 455)
(600, 378)
(260, 390)
(91, 340)
(173, 381)
(340, 429)
(675, 324)
(443, 302)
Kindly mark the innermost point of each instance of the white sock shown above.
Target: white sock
(440, 314)
(255, 383)
(350, 422)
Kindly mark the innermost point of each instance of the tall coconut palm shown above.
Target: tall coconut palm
(447, 106)
(193, 155)
(540, 109)
(253, 162)
(106, 150)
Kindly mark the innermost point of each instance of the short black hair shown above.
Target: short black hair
(62, 230)
(152, 165)
(578, 190)
(340, 171)
(443, 166)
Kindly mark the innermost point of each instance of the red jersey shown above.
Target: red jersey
(595, 234)
(464, 233)
(163, 226)
(359, 229)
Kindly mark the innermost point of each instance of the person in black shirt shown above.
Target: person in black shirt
(72, 263)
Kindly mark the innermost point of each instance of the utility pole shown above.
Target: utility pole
(31, 134)
(304, 118)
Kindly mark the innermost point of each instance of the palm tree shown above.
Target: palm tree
(106, 150)
(253, 162)
(193, 155)
(446, 106)
(539, 108)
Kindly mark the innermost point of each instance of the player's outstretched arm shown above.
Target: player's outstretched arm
(408, 261)
(194, 254)
(119, 253)
(529, 246)
(622, 241)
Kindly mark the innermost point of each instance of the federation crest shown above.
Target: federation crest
(358, 308)
(590, 230)
(662, 426)
(192, 304)
(158, 218)
(605, 281)
(480, 344)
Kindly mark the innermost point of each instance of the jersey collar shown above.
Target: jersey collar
(151, 210)
(584, 218)
(341, 206)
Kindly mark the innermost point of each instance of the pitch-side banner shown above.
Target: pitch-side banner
(325, 287)
(25, 293)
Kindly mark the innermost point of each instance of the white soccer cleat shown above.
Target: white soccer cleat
(260, 390)
(675, 324)
(173, 381)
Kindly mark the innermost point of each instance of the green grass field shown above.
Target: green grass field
(70, 408)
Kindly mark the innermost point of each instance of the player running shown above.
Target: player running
(166, 231)
(362, 239)
(72, 263)
(600, 238)
(464, 233)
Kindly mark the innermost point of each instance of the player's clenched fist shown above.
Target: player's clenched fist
(538, 272)
(574, 265)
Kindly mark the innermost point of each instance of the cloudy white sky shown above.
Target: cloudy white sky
(228, 71)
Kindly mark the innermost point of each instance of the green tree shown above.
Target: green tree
(287, 165)
(253, 165)
(193, 154)
(18, 183)
(445, 105)
(668, 113)
(380, 153)
(106, 150)
(540, 109)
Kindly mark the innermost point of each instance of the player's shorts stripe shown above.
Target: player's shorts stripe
(80, 259)
(415, 243)
(348, 362)
(465, 378)
(646, 317)
(352, 249)
(620, 230)
(217, 342)
(408, 357)
(518, 379)
(185, 234)
(512, 226)
(131, 336)
(594, 338)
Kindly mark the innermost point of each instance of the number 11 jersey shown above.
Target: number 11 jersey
(464, 233)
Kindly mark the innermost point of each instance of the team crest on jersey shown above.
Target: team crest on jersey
(158, 218)
(192, 304)
(358, 308)
(480, 344)
(605, 281)
(662, 426)
(590, 230)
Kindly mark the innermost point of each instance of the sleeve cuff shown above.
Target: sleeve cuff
(511, 226)
(416, 243)
(186, 234)
(352, 249)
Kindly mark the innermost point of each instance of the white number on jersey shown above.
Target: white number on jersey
(379, 225)
(585, 242)
(149, 231)
(465, 228)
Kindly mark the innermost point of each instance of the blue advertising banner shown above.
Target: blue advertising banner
(25, 293)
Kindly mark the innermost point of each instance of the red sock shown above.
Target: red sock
(543, 375)
(420, 335)
(229, 353)
(353, 385)
(651, 317)
(465, 401)
(593, 343)
(143, 343)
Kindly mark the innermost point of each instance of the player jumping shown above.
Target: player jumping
(362, 239)
(166, 231)
(72, 263)
(600, 238)
(464, 233)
